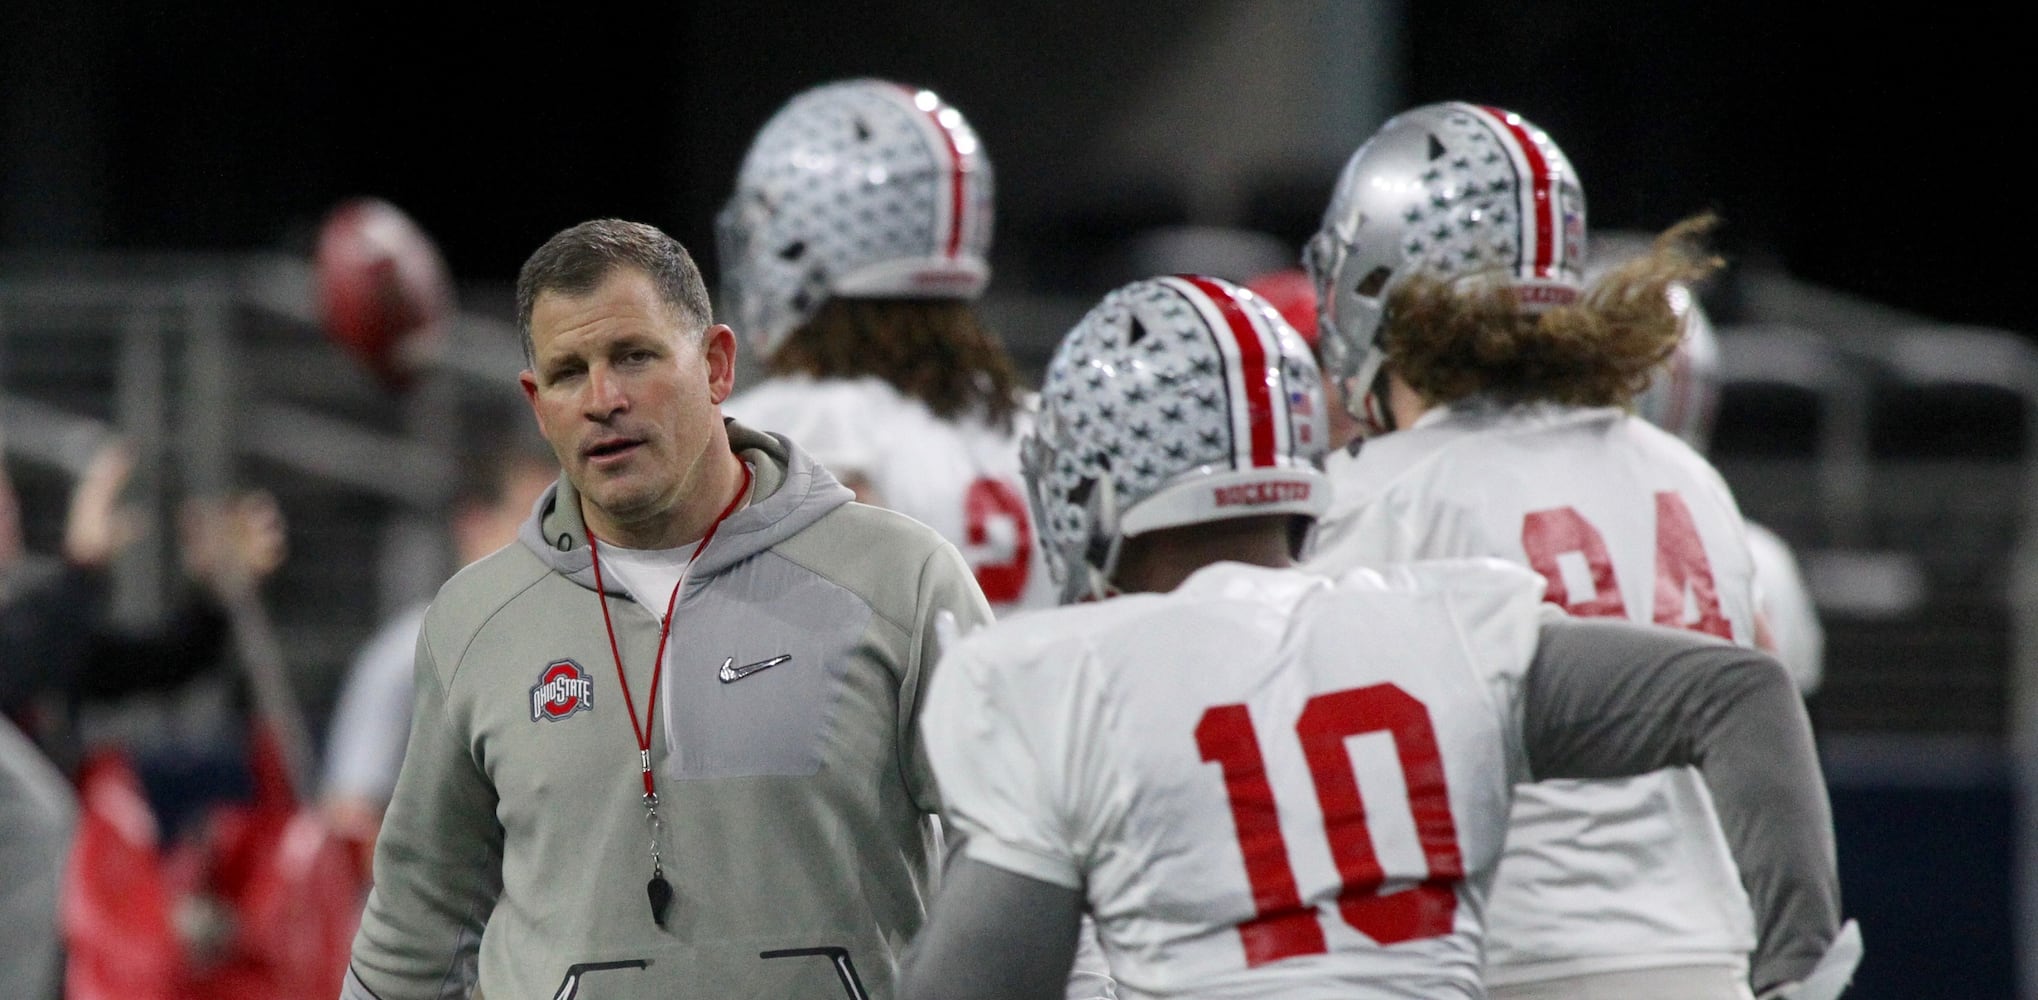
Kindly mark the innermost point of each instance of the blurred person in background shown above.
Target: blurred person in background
(1492, 384)
(38, 814)
(1202, 749)
(853, 251)
(64, 651)
(371, 721)
(1683, 398)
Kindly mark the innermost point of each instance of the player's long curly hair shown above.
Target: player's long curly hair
(1449, 342)
(934, 350)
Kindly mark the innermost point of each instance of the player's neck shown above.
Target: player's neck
(1158, 561)
(1404, 402)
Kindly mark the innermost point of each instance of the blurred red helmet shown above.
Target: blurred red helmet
(384, 293)
(1293, 295)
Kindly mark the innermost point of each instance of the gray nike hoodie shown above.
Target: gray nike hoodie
(794, 796)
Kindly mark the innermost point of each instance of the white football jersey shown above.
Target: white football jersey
(1268, 783)
(959, 477)
(1622, 520)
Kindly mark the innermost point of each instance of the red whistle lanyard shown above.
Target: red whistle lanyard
(660, 891)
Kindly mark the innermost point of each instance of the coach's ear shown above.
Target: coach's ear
(718, 349)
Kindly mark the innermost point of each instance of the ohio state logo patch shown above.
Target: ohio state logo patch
(562, 689)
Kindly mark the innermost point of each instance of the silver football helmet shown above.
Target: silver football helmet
(1684, 395)
(1174, 401)
(1452, 190)
(864, 188)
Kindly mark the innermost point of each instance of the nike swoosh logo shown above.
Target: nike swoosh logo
(731, 673)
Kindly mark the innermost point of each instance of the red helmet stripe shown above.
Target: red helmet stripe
(956, 201)
(1252, 360)
(1541, 186)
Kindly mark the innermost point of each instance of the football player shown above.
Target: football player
(1263, 782)
(852, 251)
(1455, 316)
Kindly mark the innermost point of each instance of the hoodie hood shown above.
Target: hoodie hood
(789, 492)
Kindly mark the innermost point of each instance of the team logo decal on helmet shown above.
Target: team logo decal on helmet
(1452, 190)
(563, 689)
(863, 188)
(1174, 401)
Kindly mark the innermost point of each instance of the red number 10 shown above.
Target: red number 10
(1281, 926)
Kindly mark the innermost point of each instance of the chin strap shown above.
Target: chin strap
(1099, 559)
(1301, 537)
(1369, 408)
(1096, 587)
(1378, 395)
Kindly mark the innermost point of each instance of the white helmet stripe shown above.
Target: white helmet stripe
(941, 135)
(1256, 425)
(1541, 249)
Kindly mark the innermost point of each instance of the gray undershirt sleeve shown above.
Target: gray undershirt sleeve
(1609, 699)
(994, 935)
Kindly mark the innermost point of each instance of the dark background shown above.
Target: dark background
(1871, 153)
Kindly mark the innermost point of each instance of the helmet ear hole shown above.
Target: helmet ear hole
(1079, 494)
(1373, 283)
